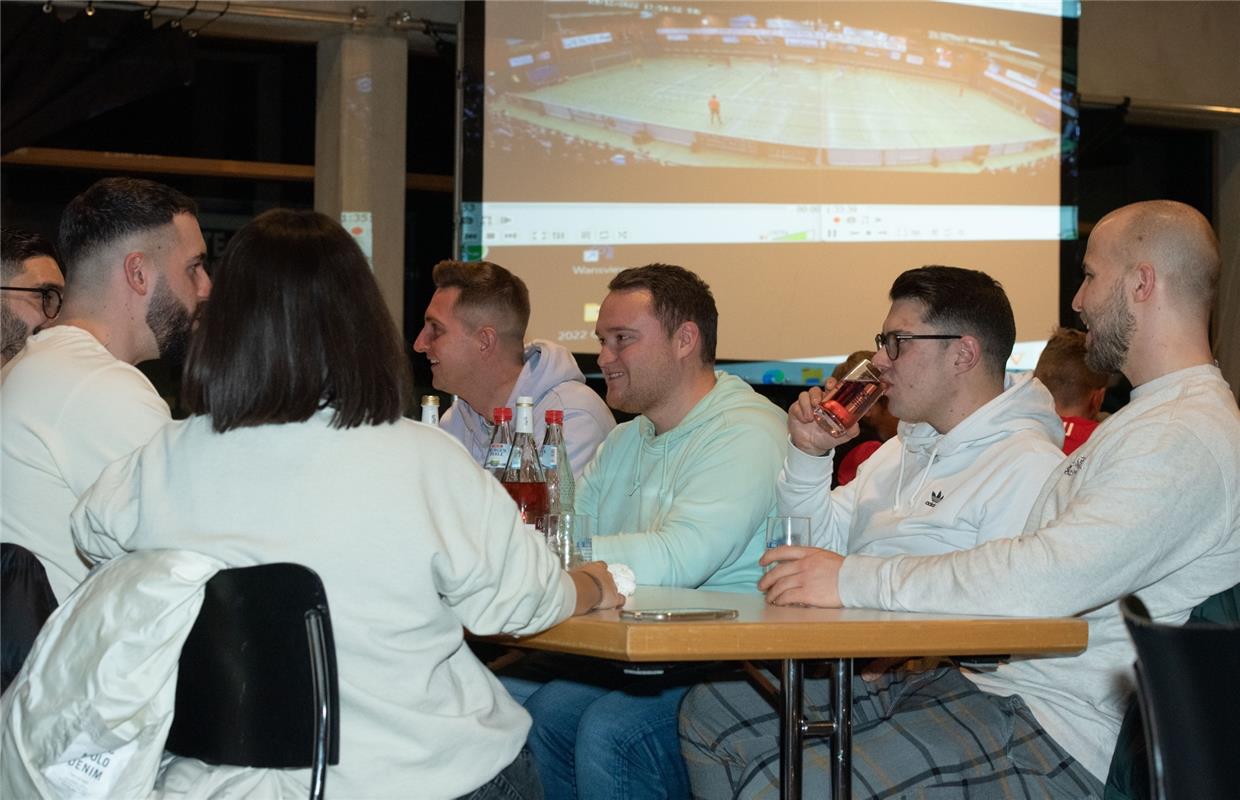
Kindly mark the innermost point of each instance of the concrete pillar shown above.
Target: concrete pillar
(359, 148)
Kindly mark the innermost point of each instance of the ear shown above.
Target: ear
(967, 353)
(488, 339)
(1146, 281)
(138, 273)
(1095, 401)
(686, 338)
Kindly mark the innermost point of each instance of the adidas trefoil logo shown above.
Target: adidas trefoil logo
(935, 499)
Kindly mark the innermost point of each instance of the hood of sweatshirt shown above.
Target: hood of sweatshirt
(547, 365)
(1025, 404)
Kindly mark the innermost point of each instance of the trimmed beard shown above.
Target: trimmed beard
(170, 322)
(1111, 332)
(13, 333)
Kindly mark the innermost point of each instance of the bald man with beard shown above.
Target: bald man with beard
(73, 399)
(1149, 505)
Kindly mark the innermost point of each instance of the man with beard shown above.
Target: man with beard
(1149, 505)
(73, 400)
(33, 288)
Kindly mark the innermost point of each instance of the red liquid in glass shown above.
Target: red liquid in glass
(848, 403)
(531, 499)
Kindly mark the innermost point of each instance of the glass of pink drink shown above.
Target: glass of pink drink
(847, 403)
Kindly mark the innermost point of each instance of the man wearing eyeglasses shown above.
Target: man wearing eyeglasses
(73, 399)
(1150, 505)
(971, 453)
(32, 291)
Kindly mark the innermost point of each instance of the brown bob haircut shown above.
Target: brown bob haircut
(295, 324)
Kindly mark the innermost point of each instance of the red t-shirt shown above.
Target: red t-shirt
(1075, 431)
(848, 467)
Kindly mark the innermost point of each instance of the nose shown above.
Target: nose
(419, 344)
(204, 285)
(881, 360)
(1076, 299)
(605, 356)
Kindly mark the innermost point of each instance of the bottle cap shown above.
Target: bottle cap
(555, 416)
(525, 400)
(430, 399)
(502, 414)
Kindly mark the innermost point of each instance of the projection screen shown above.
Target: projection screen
(796, 155)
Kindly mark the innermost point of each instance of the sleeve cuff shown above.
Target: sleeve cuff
(802, 467)
(860, 579)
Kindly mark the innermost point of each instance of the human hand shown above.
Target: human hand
(808, 434)
(594, 581)
(805, 576)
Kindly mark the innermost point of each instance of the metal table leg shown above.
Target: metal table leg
(790, 732)
(794, 727)
(841, 737)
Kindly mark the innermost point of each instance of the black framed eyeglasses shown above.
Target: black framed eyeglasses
(891, 341)
(52, 297)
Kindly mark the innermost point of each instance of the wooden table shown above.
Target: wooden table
(796, 635)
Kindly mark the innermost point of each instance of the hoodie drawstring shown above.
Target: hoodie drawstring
(921, 484)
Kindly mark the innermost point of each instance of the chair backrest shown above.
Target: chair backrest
(26, 601)
(1188, 680)
(257, 683)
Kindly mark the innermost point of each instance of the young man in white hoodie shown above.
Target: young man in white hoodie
(474, 338)
(1149, 505)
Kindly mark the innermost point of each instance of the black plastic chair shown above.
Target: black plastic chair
(1190, 704)
(257, 681)
(26, 601)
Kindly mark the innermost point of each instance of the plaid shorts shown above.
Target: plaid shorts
(930, 734)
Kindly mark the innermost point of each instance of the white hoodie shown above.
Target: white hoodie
(925, 493)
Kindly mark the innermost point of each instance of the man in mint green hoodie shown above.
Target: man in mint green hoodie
(681, 495)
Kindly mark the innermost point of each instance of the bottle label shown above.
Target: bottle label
(497, 456)
(549, 456)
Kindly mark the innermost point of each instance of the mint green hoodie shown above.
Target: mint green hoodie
(689, 507)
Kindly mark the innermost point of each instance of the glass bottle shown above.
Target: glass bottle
(501, 443)
(430, 409)
(523, 476)
(558, 469)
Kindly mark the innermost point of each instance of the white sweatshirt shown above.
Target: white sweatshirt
(1149, 505)
(414, 543)
(924, 492)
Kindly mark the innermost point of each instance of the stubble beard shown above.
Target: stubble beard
(1110, 334)
(170, 322)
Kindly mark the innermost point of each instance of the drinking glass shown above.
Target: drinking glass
(781, 531)
(847, 403)
(570, 536)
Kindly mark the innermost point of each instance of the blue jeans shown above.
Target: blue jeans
(517, 781)
(614, 738)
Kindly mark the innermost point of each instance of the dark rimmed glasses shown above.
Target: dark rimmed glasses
(52, 297)
(891, 341)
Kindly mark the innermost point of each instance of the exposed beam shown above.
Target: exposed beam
(181, 165)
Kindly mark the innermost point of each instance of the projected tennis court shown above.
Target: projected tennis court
(813, 106)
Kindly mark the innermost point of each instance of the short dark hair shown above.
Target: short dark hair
(1062, 367)
(679, 296)
(295, 324)
(17, 245)
(967, 301)
(489, 294)
(111, 209)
